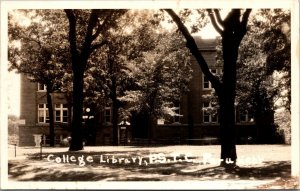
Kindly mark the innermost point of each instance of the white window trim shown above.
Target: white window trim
(42, 90)
(209, 115)
(44, 109)
(61, 108)
(178, 114)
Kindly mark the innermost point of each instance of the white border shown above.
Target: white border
(7, 5)
(3, 101)
(295, 72)
(145, 4)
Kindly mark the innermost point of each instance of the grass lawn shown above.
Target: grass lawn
(259, 166)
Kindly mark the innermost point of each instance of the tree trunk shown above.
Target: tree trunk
(227, 99)
(115, 117)
(140, 125)
(133, 122)
(150, 126)
(227, 131)
(76, 142)
(51, 118)
(190, 120)
(234, 29)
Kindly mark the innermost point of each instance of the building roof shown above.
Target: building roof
(205, 44)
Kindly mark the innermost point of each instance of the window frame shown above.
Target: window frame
(61, 109)
(210, 116)
(45, 113)
(39, 89)
(248, 117)
(108, 108)
(177, 110)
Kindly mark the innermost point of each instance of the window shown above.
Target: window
(206, 82)
(43, 114)
(209, 115)
(41, 87)
(244, 116)
(176, 110)
(108, 115)
(61, 113)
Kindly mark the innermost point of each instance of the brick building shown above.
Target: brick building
(34, 113)
(192, 126)
(195, 124)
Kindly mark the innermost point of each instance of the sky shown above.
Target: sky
(13, 92)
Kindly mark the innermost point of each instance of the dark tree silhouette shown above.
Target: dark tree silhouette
(232, 30)
(87, 29)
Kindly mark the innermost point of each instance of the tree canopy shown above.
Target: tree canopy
(264, 60)
(88, 30)
(141, 68)
(40, 51)
(264, 70)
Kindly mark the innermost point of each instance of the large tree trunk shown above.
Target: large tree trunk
(226, 100)
(79, 62)
(140, 125)
(51, 118)
(76, 142)
(232, 32)
(80, 58)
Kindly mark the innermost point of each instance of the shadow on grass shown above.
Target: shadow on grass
(63, 172)
(269, 170)
(43, 170)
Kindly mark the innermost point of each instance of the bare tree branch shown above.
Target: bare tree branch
(72, 33)
(99, 45)
(245, 18)
(86, 48)
(192, 46)
(218, 17)
(96, 34)
(214, 22)
(100, 27)
(243, 24)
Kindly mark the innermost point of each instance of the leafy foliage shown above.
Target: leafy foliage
(38, 49)
(264, 62)
(142, 65)
(232, 30)
(88, 30)
(160, 75)
(283, 123)
(263, 67)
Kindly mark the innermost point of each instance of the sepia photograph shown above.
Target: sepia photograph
(149, 95)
